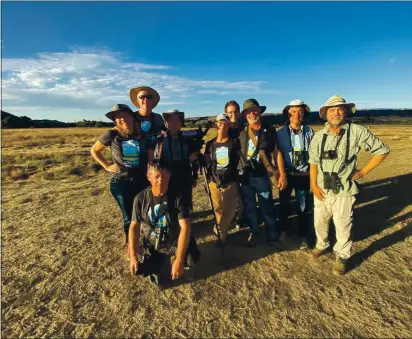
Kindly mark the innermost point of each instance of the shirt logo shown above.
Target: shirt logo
(131, 153)
(222, 157)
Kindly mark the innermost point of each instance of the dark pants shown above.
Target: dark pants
(260, 187)
(158, 265)
(301, 186)
(124, 190)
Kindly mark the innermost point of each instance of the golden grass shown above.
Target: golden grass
(64, 272)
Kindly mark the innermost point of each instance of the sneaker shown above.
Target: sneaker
(316, 252)
(340, 266)
(303, 244)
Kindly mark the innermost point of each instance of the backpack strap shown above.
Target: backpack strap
(257, 142)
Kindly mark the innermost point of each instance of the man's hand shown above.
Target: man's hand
(177, 269)
(356, 175)
(112, 168)
(318, 193)
(282, 181)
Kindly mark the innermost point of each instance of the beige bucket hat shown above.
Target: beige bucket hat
(335, 100)
(135, 91)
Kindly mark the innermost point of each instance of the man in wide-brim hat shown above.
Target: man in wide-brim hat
(294, 140)
(181, 115)
(145, 99)
(259, 151)
(333, 174)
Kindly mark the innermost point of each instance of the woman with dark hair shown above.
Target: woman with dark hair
(129, 167)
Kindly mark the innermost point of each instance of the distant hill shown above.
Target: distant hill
(367, 116)
(9, 120)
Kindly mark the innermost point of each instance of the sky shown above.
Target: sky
(75, 60)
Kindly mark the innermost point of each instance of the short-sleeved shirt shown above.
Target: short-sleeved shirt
(289, 141)
(175, 209)
(157, 125)
(224, 157)
(266, 139)
(126, 153)
(360, 138)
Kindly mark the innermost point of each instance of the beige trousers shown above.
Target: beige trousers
(340, 209)
(224, 203)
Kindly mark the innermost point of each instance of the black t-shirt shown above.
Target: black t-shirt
(156, 126)
(224, 159)
(127, 152)
(266, 139)
(163, 216)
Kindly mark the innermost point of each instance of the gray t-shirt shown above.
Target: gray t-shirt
(127, 153)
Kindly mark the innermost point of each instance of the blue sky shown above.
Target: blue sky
(75, 60)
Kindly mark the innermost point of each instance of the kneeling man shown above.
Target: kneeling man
(168, 247)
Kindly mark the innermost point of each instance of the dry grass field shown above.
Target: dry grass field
(65, 274)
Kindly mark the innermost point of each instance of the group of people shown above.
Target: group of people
(155, 167)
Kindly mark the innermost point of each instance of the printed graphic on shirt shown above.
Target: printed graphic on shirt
(131, 152)
(251, 150)
(222, 157)
(161, 222)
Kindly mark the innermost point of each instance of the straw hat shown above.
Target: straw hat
(135, 91)
(335, 100)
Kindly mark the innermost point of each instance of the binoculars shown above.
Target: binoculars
(331, 181)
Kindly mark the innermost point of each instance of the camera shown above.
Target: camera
(330, 155)
(331, 181)
(298, 158)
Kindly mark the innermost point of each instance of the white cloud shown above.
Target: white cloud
(95, 79)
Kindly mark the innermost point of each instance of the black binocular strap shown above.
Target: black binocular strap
(347, 161)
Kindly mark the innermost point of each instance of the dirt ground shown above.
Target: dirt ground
(65, 274)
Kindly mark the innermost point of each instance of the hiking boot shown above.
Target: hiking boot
(340, 266)
(316, 252)
(303, 244)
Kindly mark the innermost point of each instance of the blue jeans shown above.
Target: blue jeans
(261, 187)
(124, 191)
(302, 205)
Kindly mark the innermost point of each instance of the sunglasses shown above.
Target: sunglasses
(148, 96)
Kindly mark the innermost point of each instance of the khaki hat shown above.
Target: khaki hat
(166, 115)
(335, 100)
(296, 102)
(119, 108)
(135, 91)
(251, 104)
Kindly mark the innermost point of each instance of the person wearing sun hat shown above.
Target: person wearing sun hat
(334, 174)
(259, 151)
(146, 98)
(294, 140)
(178, 154)
(222, 157)
(128, 168)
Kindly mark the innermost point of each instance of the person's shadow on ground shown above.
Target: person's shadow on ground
(377, 208)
